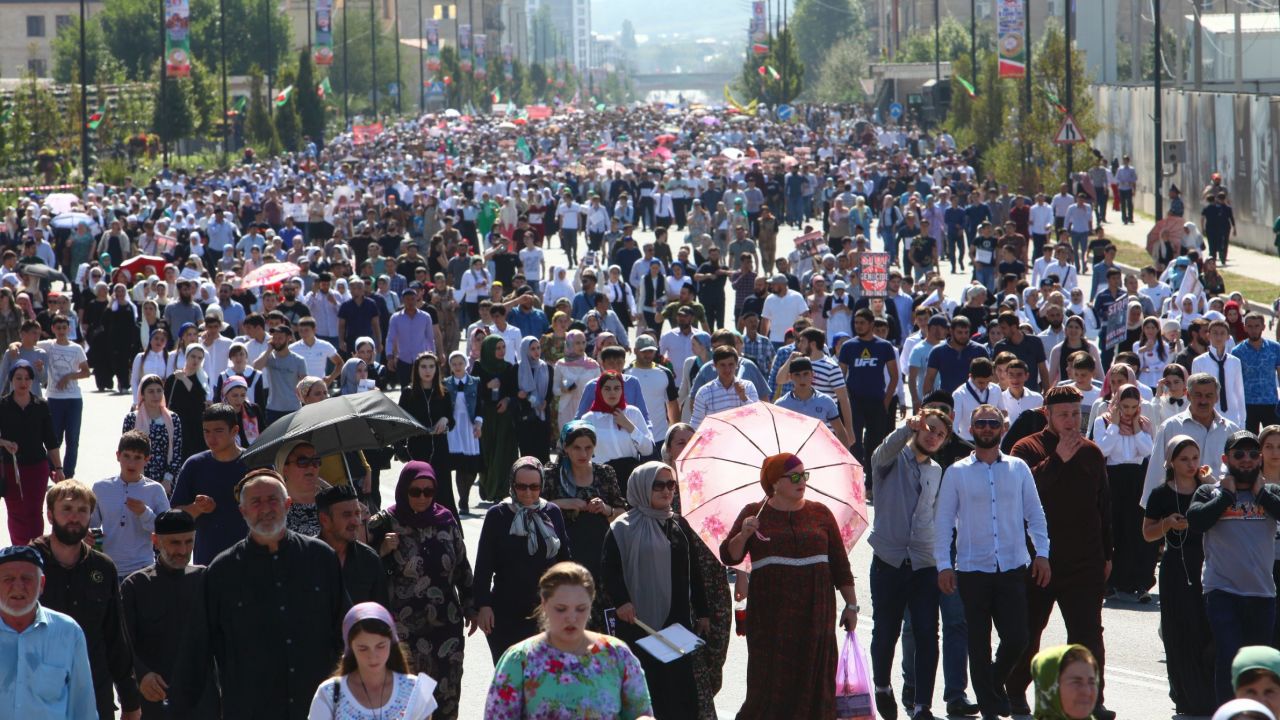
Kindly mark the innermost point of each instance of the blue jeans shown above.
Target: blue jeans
(67, 413)
(1236, 621)
(986, 275)
(955, 649)
(893, 591)
(1079, 246)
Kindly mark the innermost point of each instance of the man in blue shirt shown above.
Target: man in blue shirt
(530, 320)
(804, 399)
(871, 376)
(949, 362)
(43, 652)
(1259, 366)
(357, 318)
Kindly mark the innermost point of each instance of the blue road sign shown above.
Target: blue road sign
(785, 112)
(895, 111)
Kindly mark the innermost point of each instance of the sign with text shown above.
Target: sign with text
(873, 274)
(1011, 33)
(1115, 327)
(177, 38)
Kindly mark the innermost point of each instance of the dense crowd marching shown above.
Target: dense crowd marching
(1050, 434)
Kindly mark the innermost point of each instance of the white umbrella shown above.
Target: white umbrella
(452, 113)
(61, 202)
(506, 126)
(731, 153)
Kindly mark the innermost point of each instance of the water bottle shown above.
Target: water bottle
(740, 616)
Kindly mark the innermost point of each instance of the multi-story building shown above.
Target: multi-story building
(571, 20)
(27, 29)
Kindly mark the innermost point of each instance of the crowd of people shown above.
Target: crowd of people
(1118, 426)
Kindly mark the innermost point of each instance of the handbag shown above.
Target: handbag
(854, 686)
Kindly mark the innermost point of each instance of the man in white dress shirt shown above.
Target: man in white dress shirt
(1220, 364)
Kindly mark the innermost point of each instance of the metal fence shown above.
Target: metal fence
(1235, 134)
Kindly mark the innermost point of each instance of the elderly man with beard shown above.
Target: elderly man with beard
(1071, 478)
(1238, 518)
(274, 604)
(82, 583)
(363, 576)
(157, 600)
(50, 638)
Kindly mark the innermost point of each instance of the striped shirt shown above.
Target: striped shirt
(714, 397)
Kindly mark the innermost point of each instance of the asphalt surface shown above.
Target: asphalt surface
(1136, 685)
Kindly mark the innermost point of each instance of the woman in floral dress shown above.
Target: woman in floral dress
(421, 546)
(567, 671)
(163, 428)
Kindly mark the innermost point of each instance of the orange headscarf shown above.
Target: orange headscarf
(774, 468)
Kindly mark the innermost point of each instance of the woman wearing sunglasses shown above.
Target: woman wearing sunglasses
(797, 557)
(299, 465)
(522, 537)
(430, 580)
(651, 575)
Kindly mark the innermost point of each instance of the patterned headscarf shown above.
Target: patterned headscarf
(774, 468)
(531, 521)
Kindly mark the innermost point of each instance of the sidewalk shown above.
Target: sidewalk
(1255, 274)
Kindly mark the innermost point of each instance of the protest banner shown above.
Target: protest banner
(873, 274)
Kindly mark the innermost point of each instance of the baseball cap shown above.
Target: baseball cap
(1241, 437)
(939, 320)
(839, 285)
(778, 279)
(645, 342)
(684, 310)
(21, 553)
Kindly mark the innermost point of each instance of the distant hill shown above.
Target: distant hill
(715, 18)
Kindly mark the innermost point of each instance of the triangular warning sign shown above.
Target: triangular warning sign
(1069, 133)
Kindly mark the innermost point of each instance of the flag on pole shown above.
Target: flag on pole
(760, 48)
(324, 88)
(523, 147)
(238, 106)
(1053, 100)
(968, 86)
(282, 97)
(496, 94)
(96, 119)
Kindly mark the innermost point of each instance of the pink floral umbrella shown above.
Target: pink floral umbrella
(269, 274)
(720, 469)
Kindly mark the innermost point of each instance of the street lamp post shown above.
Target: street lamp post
(270, 64)
(973, 44)
(1069, 24)
(1158, 153)
(346, 60)
(422, 62)
(84, 99)
(399, 83)
(164, 84)
(373, 53)
(222, 48)
(937, 43)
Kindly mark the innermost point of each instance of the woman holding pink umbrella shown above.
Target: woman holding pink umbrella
(797, 556)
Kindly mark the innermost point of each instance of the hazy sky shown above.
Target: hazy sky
(652, 17)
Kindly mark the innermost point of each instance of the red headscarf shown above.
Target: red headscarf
(1238, 333)
(598, 404)
(774, 468)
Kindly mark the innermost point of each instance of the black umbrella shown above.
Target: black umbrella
(362, 421)
(42, 271)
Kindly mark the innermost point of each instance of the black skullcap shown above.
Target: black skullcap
(21, 553)
(333, 495)
(175, 522)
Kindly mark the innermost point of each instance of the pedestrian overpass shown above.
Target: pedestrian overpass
(711, 83)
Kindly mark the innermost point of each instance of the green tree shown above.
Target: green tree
(359, 71)
(258, 125)
(310, 106)
(537, 83)
(782, 58)
(66, 51)
(843, 67)
(287, 126)
(173, 117)
(818, 25)
(205, 103)
(953, 40)
(1047, 162)
(131, 29)
(980, 120)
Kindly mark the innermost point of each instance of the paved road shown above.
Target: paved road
(1135, 676)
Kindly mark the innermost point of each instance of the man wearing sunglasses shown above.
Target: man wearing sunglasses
(1238, 518)
(1071, 477)
(903, 574)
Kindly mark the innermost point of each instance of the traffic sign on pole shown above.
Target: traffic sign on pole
(895, 111)
(1069, 133)
(785, 112)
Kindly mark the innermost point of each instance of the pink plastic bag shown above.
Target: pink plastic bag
(854, 688)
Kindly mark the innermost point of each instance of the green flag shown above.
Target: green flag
(96, 119)
(238, 106)
(1053, 100)
(968, 87)
(523, 147)
(282, 97)
(450, 147)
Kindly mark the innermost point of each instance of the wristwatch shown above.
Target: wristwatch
(855, 608)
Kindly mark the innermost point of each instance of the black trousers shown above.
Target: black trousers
(715, 311)
(1126, 206)
(998, 598)
(1134, 561)
(1078, 594)
(1257, 417)
(871, 424)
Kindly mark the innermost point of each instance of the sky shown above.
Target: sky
(718, 18)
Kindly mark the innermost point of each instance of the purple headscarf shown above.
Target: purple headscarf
(366, 611)
(435, 515)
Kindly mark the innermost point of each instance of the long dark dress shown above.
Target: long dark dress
(535, 432)
(427, 408)
(587, 530)
(98, 353)
(120, 334)
(1188, 647)
(672, 687)
(187, 403)
(791, 639)
(498, 434)
(507, 575)
(429, 578)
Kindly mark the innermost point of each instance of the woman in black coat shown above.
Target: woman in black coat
(522, 537)
(428, 403)
(120, 333)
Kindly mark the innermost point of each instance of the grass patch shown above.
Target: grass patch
(1258, 291)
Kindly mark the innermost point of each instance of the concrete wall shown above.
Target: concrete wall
(1237, 135)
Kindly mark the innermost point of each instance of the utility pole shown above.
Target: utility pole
(346, 60)
(422, 62)
(164, 83)
(84, 98)
(1068, 40)
(373, 53)
(973, 44)
(399, 84)
(937, 43)
(222, 48)
(1159, 130)
(310, 21)
(269, 66)
(1026, 89)
(1197, 57)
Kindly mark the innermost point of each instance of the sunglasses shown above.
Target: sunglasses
(527, 488)
(1241, 454)
(987, 423)
(416, 492)
(798, 477)
(307, 461)
(667, 485)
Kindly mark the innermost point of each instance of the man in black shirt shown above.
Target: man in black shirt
(1027, 348)
(711, 277)
(362, 571)
(82, 583)
(1218, 222)
(156, 601)
(290, 306)
(1197, 341)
